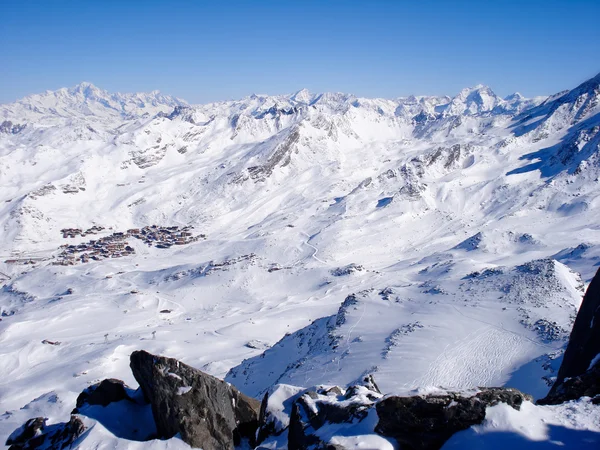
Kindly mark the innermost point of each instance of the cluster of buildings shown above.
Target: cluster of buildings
(24, 261)
(164, 237)
(115, 245)
(112, 246)
(73, 232)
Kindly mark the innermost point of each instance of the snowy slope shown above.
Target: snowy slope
(462, 229)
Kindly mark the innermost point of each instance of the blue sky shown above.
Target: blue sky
(217, 50)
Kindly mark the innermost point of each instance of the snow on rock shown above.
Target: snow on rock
(36, 434)
(573, 425)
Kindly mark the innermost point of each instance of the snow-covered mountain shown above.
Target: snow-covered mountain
(301, 239)
(88, 101)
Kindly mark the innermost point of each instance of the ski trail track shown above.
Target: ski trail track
(475, 360)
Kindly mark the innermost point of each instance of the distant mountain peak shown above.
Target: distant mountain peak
(87, 89)
(474, 100)
(302, 96)
(478, 88)
(84, 85)
(87, 100)
(513, 97)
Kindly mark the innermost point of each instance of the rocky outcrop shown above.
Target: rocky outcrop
(36, 434)
(31, 428)
(11, 128)
(281, 157)
(585, 385)
(103, 393)
(314, 418)
(315, 409)
(579, 373)
(205, 411)
(427, 422)
(311, 412)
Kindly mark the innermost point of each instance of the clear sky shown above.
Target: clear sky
(216, 50)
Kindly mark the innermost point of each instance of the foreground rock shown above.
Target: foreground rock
(36, 434)
(427, 422)
(103, 393)
(209, 413)
(205, 411)
(318, 418)
(315, 409)
(579, 373)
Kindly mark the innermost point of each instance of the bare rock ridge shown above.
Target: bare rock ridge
(579, 373)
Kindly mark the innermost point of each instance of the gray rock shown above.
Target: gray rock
(27, 431)
(103, 393)
(313, 410)
(298, 437)
(585, 385)
(577, 375)
(11, 128)
(35, 434)
(265, 426)
(368, 382)
(347, 270)
(281, 157)
(427, 422)
(206, 411)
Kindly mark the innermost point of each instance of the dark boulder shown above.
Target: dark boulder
(304, 421)
(28, 430)
(35, 434)
(103, 393)
(427, 422)
(265, 426)
(299, 437)
(313, 410)
(9, 128)
(367, 382)
(577, 375)
(121, 410)
(206, 411)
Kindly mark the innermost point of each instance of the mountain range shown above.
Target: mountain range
(293, 240)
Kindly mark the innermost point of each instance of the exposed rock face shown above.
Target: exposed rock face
(11, 128)
(103, 393)
(36, 434)
(427, 422)
(31, 428)
(313, 410)
(206, 411)
(280, 157)
(579, 373)
(265, 426)
(585, 385)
